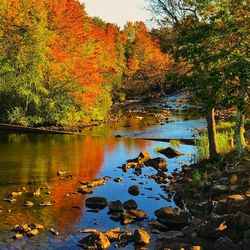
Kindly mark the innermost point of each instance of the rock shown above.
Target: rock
(28, 204)
(172, 218)
(22, 228)
(118, 179)
(37, 192)
(130, 204)
(169, 152)
(113, 235)
(18, 236)
(96, 240)
(141, 236)
(115, 206)
(236, 197)
(96, 202)
(139, 214)
(134, 190)
(125, 238)
(145, 156)
(46, 203)
(157, 225)
(88, 230)
(10, 199)
(84, 189)
(225, 243)
(32, 232)
(173, 234)
(36, 226)
(96, 183)
(60, 173)
(16, 194)
(127, 218)
(219, 190)
(53, 231)
(157, 163)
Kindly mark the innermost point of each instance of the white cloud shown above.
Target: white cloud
(118, 11)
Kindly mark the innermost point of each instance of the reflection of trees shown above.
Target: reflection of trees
(33, 160)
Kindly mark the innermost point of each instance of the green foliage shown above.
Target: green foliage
(17, 116)
(197, 178)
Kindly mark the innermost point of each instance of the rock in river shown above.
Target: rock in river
(141, 236)
(134, 190)
(170, 152)
(96, 202)
(115, 206)
(96, 241)
(173, 218)
(28, 204)
(157, 163)
(130, 204)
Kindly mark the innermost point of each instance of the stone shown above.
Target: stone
(118, 180)
(127, 218)
(125, 238)
(46, 203)
(115, 206)
(96, 202)
(28, 204)
(141, 236)
(84, 189)
(60, 173)
(173, 234)
(172, 218)
(219, 190)
(53, 231)
(169, 152)
(96, 241)
(236, 197)
(139, 214)
(130, 204)
(32, 232)
(134, 190)
(157, 163)
(145, 155)
(96, 183)
(225, 243)
(114, 234)
(18, 236)
(16, 194)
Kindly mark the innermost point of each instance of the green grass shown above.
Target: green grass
(224, 141)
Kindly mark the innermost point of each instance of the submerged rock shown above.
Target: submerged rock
(141, 236)
(172, 218)
(118, 179)
(96, 241)
(32, 232)
(134, 190)
(96, 202)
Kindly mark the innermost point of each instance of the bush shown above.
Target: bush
(17, 116)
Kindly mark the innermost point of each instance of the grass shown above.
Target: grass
(225, 142)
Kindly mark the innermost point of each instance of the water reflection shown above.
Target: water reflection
(33, 161)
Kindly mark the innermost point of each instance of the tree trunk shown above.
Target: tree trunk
(239, 132)
(211, 128)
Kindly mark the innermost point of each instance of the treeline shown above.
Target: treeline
(211, 40)
(60, 66)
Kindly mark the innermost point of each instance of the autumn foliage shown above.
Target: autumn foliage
(60, 66)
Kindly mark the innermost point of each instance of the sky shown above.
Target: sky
(118, 11)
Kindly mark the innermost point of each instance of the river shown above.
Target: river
(32, 161)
